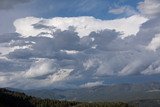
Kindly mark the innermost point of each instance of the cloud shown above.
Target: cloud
(8, 37)
(154, 68)
(29, 29)
(92, 84)
(11, 42)
(149, 31)
(150, 8)
(50, 62)
(106, 35)
(61, 75)
(42, 73)
(8, 4)
(87, 6)
(42, 67)
(79, 51)
(13, 65)
(25, 26)
(123, 10)
(91, 63)
(20, 54)
(134, 63)
(155, 43)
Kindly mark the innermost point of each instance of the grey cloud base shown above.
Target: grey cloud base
(67, 61)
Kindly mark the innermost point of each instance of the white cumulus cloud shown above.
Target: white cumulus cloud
(83, 25)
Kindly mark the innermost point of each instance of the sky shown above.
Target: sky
(78, 43)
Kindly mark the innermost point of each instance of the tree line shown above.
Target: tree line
(15, 99)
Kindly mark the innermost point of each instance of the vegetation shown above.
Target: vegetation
(15, 99)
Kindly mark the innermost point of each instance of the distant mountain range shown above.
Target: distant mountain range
(118, 92)
(138, 94)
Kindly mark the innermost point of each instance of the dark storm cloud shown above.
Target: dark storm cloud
(14, 65)
(20, 54)
(107, 36)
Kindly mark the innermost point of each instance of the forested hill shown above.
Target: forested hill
(15, 99)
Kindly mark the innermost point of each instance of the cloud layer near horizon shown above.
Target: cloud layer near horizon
(80, 51)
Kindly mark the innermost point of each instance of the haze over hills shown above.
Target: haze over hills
(118, 92)
(139, 95)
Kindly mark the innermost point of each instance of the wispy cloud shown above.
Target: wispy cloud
(126, 10)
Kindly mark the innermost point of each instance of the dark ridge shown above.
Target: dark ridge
(16, 99)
